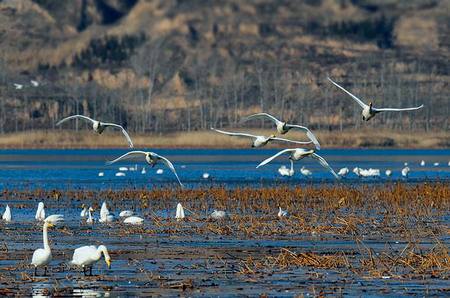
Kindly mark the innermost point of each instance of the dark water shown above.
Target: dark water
(62, 169)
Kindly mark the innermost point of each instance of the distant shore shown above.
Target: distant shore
(366, 138)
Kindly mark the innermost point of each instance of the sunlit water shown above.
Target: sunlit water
(179, 257)
(63, 169)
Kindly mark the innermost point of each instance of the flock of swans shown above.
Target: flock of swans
(86, 256)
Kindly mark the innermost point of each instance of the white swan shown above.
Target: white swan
(98, 126)
(356, 171)
(436, 164)
(218, 214)
(105, 216)
(205, 175)
(159, 171)
(151, 158)
(281, 212)
(126, 213)
(299, 153)
(18, 86)
(179, 215)
(101, 174)
(90, 219)
(84, 212)
(285, 171)
(86, 256)
(259, 141)
(120, 174)
(343, 172)
(40, 213)
(34, 83)
(422, 163)
(305, 172)
(43, 256)
(369, 111)
(284, 127)
(7, 214)
(405, 172)
(388, 173)
(143, 172)
(134, 220)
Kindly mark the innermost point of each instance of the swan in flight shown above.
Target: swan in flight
(259, 141)
(305, 172)
(86, 256)
(282, 213)
(343, 172)
(179, 215)
(43, 256)
(134, 220)
(98, 126)
(285, 171)
(40, 213)
(284, 127)
(218, 214)
(7, 214)
(151, 158)
(299, 153)
(369, 111)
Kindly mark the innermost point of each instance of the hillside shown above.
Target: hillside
(179, 65)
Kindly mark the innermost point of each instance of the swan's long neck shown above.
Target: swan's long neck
(101, 249)
(45, 236)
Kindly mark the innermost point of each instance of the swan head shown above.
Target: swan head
(91, 209)
(103, 249)
(272, 136)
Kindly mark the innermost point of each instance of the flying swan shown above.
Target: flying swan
(369, 111)
(98, 126)
(300, 153)
(259, 141)
(151, 158)
(284, 127)
(43, 256)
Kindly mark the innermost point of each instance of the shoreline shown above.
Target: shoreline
(86, 139)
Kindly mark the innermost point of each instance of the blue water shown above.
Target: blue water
(62, 169)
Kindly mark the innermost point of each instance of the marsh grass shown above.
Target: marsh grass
(85, 138)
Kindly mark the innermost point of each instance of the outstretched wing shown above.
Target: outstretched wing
(290, 141)
(324, 164)
(169, 165)
(54, 218)
(127, 155)
(396, 110)
(309, 134)
(266, 161)
(75, 117)
(359, 101)
(236, 134)
(259, 116)
(130, 143)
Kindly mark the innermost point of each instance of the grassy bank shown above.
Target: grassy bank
(210, 139)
